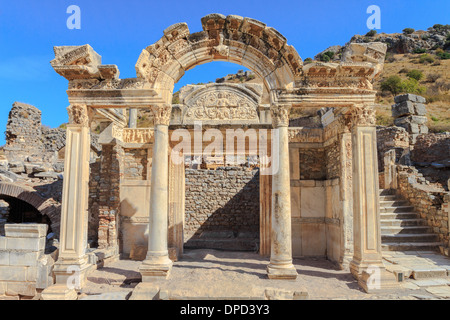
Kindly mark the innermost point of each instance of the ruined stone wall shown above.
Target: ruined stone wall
(93, 202)
(226, 199)
(23, 132)
(135, 164)
(432, 147)
(333, 161)
(109, 194)
(4, 213)
(428, 202)
(409, 112)
(313, 164)
(393, 138)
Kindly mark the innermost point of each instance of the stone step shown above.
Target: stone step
(228, 244)
(410, 246)
(402, 223)
(387, 192)
(399, 215)
(393, 203)
(397, 209)
(406, 238)
(406, 230)
(388, 198)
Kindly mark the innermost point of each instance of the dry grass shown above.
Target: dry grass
(436, 80)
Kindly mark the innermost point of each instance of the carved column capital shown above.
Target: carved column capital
(162, 113)
(79, 114)
(280, 115)
(361, 116)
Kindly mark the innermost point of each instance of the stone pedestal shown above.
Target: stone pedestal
(281, 266)
(157, 263)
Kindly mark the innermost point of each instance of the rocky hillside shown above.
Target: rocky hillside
(416, 62)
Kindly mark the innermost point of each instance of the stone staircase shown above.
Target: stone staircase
(402, 229)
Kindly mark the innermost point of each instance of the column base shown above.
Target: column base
(373, 277)
(59, 292)
(72, 273)
(155, 267)
(282, 273)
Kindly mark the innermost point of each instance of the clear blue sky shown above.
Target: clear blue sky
(119, 30)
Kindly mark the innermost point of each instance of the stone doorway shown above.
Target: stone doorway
(222, 209)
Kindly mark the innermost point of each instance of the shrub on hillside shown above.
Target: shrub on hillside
(371, 33)
(426, 58)
(408, 30)
(415, 74)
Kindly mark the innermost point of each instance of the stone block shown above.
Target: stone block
(26, 230)
(314, 242)
(420, 109)
(25, 244)
(404, 108)
(23, 258)
(312, 202)
(3, 286)
(409, 97)
(21, 288)
(2, 243)
(4, 258)
(11, 273)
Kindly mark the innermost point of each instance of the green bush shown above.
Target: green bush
(415, 74)
(327, 56)
(408, 30)
(412, 86)
(307, 60)
(392, 84)
(371, 33)
(396, 85)
(426, 58)
(443, 55)
(419, 50)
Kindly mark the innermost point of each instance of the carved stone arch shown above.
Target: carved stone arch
(243, 41)
(47, 207)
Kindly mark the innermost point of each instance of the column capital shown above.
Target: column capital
(280, 115)
(79, 114)
(162, 113)
(361, 116)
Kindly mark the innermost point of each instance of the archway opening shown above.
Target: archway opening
(19, 211)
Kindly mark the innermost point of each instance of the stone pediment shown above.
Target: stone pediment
(224, 103)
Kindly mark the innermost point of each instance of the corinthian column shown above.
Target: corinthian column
(157, 263)
(71, 268)
(281, 266)
(367, 265)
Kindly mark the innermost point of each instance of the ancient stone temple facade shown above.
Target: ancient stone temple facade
(319, 198)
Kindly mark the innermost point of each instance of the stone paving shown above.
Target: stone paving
(422, 270)
(211, 274)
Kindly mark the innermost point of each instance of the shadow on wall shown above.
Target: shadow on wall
(222, 209)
